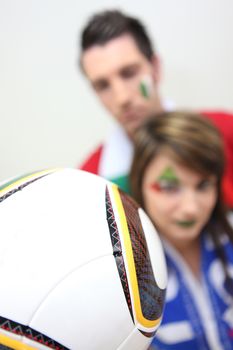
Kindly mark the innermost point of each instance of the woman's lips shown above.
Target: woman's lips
(186, 223)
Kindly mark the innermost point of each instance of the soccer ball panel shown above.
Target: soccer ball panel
(90, 304)
(43, 241)
(74, 265)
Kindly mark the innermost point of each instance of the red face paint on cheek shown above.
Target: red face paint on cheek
(155, 187)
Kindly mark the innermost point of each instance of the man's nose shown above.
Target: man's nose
(122, 93)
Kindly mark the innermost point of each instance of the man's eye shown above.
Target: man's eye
(101, 86)
(129, 72)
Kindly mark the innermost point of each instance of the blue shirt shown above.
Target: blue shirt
(198, 315)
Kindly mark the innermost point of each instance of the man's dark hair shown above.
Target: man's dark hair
(108, 25)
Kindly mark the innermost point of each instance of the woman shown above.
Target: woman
(176, 176)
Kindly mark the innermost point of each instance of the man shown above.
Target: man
(118, 59)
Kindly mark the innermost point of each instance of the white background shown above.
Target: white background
(49, 115)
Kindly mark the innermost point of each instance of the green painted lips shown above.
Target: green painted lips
(188, 223)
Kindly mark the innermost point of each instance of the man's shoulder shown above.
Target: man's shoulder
(223, 120)
(91, 163)
(219, 118)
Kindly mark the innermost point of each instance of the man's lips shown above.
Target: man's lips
(130, 115)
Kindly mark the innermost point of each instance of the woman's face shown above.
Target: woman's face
(178, 200)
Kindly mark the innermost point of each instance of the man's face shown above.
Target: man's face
(116, 71)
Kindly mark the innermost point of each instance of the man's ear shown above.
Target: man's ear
(156, 68)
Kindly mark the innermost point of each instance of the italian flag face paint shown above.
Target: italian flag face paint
(168, 175)
(167, 178)
(145, 86)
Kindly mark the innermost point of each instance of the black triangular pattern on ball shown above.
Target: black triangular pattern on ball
(117, 250)
(30, 333)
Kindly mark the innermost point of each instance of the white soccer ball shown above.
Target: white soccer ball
(81, 266)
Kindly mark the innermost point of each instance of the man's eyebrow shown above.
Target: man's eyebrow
(129, 66)
(104, 80)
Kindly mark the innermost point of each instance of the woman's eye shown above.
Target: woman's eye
(166, 186)
(169, 187)
(205, 184)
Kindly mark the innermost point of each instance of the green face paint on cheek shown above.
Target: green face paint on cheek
(144, 90)
(145, 86)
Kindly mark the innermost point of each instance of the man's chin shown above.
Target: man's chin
(131, 130)
(132, 127)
